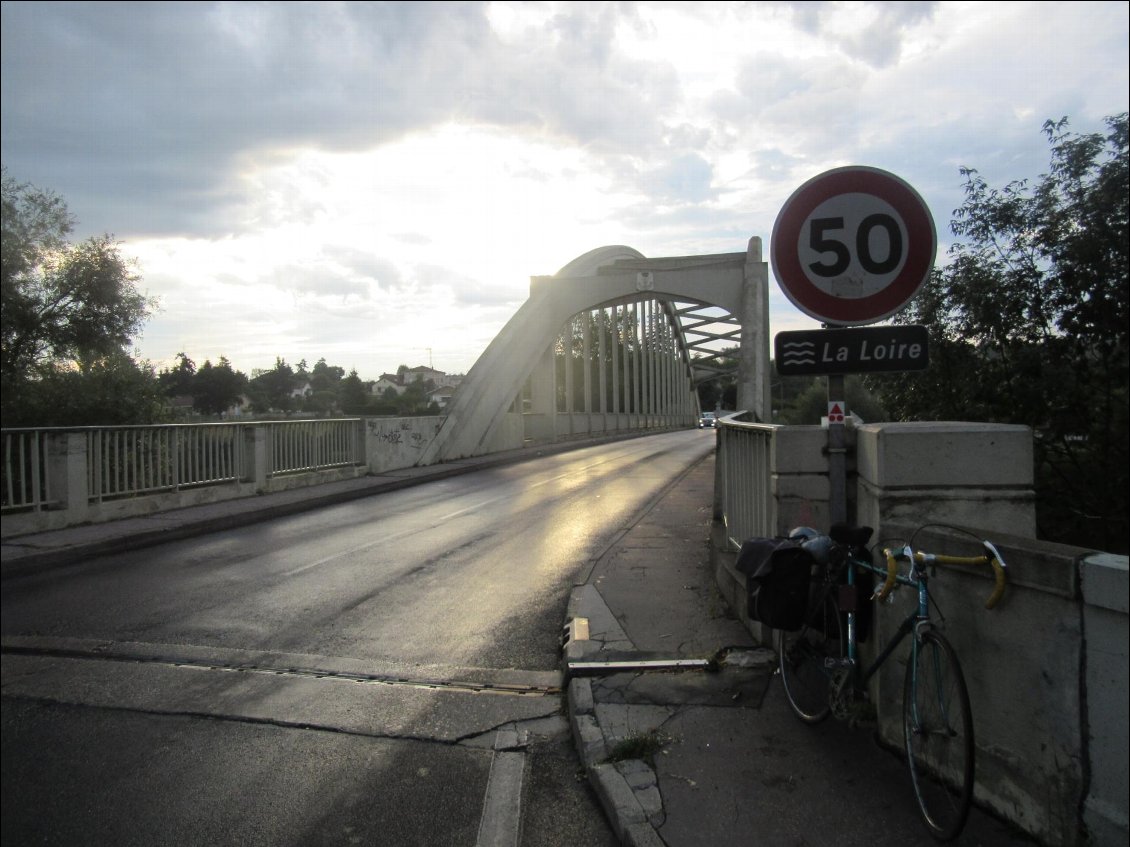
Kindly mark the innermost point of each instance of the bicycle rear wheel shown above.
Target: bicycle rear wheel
(938, 729)
(801, 654)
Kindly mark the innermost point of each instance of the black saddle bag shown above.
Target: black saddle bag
(779, 574)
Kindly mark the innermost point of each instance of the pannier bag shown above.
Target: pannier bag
(779, 574)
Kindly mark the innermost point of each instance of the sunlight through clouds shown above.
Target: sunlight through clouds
(484, 204)
(367, 182)
(439, 220)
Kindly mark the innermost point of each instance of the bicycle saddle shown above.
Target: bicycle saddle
(851, 536)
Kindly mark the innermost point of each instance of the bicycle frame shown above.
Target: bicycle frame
(913, 622)
(822, 674)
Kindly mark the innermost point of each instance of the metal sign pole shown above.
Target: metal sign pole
(837, 452)
(869, 228)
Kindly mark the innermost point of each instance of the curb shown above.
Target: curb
(627, 789)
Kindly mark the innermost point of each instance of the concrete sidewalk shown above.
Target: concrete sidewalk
(714, 756)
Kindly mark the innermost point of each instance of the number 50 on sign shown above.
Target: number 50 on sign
(853, 245)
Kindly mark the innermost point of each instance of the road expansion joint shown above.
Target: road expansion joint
(252, 720)
(109, 654)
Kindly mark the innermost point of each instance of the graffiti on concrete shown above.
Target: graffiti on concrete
(403, 432)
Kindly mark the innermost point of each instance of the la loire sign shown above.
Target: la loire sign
(853, 245)
(853, 350)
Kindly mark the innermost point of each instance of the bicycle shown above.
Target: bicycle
(822, 675)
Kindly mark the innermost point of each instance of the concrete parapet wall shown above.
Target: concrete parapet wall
(1106, 586)
(799, 479)
(938, 472)
(395, 443)
(1046, 670)
(732, 584)
(509, 435)
(1023, 665)
(539, 427)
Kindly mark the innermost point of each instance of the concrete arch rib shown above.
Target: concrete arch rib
(589, 263)
(495, 379)
(605, 275)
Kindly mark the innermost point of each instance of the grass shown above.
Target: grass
(638, 746)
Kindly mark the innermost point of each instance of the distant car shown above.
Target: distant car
(707, 420)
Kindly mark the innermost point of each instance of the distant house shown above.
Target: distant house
(181, 406)
(409, 376)
(238, 408)
(386, 382)
(442, 395)
(423, 374)
(302, 391)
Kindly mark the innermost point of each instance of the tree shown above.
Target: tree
(271, 390)
(786, 393)
(35, 225)
(352, 395)
(811, 404)
(1028, 324)
(414, 399)
(62, 303)
(721, 391)
(68, 312)
(326, 377)
(112, 391)
(217, 388)
(177, 382)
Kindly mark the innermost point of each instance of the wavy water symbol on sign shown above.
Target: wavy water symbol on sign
(798, 353)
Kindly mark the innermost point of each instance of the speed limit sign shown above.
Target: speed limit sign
(853, 245)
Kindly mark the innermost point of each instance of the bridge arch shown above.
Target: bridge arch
(655, 312)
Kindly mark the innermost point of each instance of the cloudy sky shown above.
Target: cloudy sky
(374, 183)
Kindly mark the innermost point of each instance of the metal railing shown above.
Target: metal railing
(130, 461)
(745, 478)
(133, 461)
(304, 446)
(26, 482)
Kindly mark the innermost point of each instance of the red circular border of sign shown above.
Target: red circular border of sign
(863, 310)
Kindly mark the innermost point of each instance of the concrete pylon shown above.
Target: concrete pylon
(753, 355)
(606, 276)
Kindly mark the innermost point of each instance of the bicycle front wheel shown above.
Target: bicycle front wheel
(938, 729)
(806, 675)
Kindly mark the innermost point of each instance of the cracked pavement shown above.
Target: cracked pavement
(713, 756)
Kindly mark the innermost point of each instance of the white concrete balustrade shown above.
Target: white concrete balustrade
(54, 478)
(1046, 669)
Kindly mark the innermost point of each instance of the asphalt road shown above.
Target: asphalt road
(379, 672)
